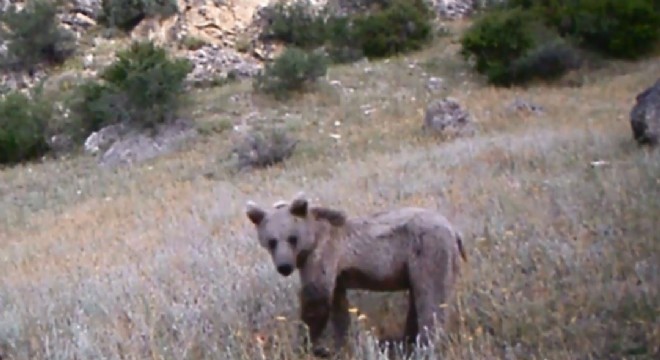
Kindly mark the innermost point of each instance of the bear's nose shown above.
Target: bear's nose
(285, 270)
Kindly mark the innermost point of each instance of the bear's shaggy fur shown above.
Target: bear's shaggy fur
(410, 249)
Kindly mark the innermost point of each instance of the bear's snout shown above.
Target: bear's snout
(285, 269)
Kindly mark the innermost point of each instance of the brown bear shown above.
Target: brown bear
(411, 249)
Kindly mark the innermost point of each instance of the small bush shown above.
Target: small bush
(262, 148)
(127, 14)
(35, 36)
(142, 86)
(547, 61)
(295, 23)
(400, 27)
(23, 124)
(292, 71)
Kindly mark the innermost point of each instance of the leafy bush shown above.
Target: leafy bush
(496, 40)
(142, 86)
(23, 123)
(622, 29)
(341, 43)
(512, 46)
(546, 61)
(400, 27)
(396, 26)
(35, 36)
(295, 23)
(291, 71)
(126, 14)
(263, 148)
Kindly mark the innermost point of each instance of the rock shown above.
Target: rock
(212, 64)
(447, 117)
(20, 80)
(89, 8)
(454, 9)
(521, 105)
(645, 116)
(100, 141)
(78, 22)
(434, 84)
(129, 145)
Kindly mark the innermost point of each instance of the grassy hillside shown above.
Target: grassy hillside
(159, 261)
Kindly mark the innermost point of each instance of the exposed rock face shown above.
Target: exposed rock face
(645, 116)
(447, 117)
(215, 22)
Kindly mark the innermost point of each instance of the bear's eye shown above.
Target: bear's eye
(293, 240)
(272, 244)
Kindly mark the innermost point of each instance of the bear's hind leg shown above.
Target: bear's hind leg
(411, 329)
(340, 317)
(431, 288)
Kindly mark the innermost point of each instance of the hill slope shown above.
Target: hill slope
(158, 260)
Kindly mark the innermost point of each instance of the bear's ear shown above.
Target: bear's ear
(299, 205)
(254, 213)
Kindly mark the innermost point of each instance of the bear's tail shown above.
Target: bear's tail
(461, 249)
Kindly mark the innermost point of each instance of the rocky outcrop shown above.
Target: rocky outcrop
(645, 116)
(456, 9)
(212, 64)
(213, 22)
(121, 145)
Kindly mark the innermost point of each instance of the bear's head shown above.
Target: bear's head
(289, 230)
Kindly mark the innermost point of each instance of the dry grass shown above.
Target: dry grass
(158, 261)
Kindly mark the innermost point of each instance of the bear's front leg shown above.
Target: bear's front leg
(315, 313)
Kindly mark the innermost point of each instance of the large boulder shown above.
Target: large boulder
(645, 116)
(447, 117)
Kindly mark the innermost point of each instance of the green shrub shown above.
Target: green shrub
(23, 123)
(616, 28)
(546, 61)
(400, 27)
(621, 29)
(142, 86)
(512, 46)
(394, 26)
(496, 40)
(35, 36)
(341, 44)
(295, 23)
(292, 71)
(126, 14)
